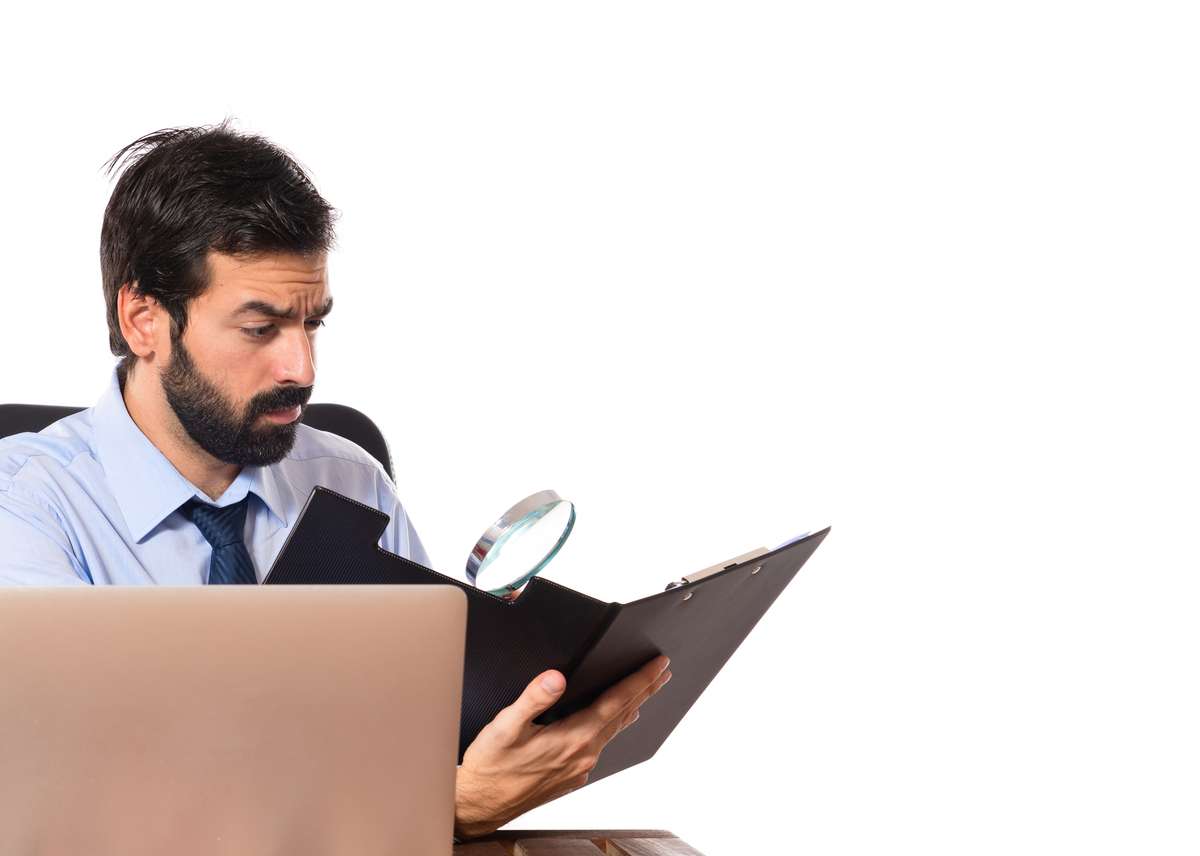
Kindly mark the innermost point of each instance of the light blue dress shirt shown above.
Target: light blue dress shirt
(91, 500)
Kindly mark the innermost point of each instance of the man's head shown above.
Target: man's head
(213, 259)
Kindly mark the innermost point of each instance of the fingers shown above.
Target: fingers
(658, 684)
(596, 724)
(582, 779)
(542, 692)
(631, 713)
(614, 705)
(620, 697)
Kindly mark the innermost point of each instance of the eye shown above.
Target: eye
(314, 323)
(259, 332)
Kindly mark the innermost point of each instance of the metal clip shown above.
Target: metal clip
(726, 565)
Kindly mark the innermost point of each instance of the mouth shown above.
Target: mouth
(284, 416)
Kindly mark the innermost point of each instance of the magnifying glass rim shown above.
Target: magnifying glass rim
(498, 531)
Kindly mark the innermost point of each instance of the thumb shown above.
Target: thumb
(542, 692)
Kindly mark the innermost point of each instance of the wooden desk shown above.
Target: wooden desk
(577, 842)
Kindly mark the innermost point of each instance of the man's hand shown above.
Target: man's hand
(514, 765)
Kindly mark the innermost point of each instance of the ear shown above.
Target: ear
(144, 323)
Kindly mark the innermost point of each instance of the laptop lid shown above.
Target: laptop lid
(229, 719)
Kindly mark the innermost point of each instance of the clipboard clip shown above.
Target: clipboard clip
(717, 568)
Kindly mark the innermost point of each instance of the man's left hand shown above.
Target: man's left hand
(514, 765)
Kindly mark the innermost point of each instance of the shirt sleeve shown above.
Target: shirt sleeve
(400, 537)
(37, 551)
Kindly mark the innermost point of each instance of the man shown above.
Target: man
(193, 465)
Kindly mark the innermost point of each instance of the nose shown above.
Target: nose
(294, 359)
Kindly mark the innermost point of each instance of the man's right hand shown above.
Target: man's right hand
(514, 765)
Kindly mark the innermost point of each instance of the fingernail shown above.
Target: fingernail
(666, 678)
(636, 714)
(553, 683)
(666, 662)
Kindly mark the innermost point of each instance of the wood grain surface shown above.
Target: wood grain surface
(578, 842)
(481, 848)
(556, 847)
(650, 847)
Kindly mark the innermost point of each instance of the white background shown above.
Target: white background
(722, 272)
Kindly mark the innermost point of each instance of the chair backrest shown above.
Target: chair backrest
(334, 418)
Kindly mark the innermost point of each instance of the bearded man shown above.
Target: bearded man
(213, 259)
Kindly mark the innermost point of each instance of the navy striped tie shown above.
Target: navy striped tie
(223, 528)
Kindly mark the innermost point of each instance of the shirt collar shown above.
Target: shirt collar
(147, 486)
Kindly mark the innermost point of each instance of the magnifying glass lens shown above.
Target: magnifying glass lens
(523, 546)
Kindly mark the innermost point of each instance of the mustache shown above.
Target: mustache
(279, 398)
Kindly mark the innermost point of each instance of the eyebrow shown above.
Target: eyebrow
(258, 307)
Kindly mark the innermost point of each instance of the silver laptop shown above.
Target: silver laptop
(229, 720)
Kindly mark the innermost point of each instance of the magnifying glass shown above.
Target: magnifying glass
(520, 543)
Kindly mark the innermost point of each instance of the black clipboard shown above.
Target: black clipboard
(698, 624)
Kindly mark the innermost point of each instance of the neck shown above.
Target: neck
(148, 408)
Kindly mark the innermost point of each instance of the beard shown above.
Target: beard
(214, 422)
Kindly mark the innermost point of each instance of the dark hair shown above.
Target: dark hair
(185, 191)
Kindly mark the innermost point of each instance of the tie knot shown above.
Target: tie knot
(220, 527)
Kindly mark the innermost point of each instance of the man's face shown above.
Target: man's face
(239, 377)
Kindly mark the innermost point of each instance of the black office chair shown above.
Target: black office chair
(334, 418)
